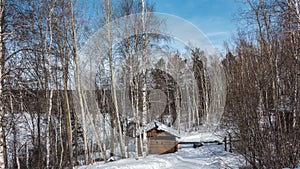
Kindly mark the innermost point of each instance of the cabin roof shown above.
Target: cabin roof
(156, 124)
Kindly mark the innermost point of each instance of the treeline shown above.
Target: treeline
(47, 120)
(263, 69)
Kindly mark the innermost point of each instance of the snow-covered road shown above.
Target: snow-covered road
(210, 156)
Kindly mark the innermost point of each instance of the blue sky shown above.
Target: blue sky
(213, 17)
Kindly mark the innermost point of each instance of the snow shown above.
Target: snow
(162, 127)
(209, 156)
(201, 137)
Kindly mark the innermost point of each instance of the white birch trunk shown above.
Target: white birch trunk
(113, 88)
(297, 6)
(136, 115)
(2, 162)
(178, 110)
(137, 123)
(18, 158)
(27, 155)
(50, 87)
(68, 111)
(78, 82)
(144, 88)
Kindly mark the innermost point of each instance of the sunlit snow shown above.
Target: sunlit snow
(209, 156)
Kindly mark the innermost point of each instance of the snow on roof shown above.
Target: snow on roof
(156, 124)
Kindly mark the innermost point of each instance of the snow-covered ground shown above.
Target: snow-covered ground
(209, 156)
(201, 137)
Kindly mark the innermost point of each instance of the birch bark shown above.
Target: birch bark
(2, 5)
(78, 82)
(113, 88)
(50, 87)
(144, 88)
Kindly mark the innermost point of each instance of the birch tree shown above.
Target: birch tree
(78, 81)
(49, 46)
(61, 31)
(112, 74)
(2, 59)
(144, 87)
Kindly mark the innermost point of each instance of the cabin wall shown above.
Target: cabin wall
(162, 146)
(161, 142)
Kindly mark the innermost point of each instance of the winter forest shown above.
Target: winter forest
(113, 84)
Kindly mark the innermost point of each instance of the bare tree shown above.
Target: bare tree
(2, 54)
(49, 46)
(262, 74)
(112, 75)
(78, 82)
(144, 87)
(61, 28)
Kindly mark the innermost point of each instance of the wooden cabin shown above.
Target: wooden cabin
(161, 138)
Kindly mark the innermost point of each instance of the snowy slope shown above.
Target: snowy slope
(209, 156)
